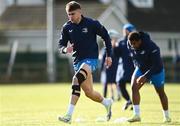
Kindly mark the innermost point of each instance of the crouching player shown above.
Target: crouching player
(149, 67)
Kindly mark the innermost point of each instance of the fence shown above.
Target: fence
(30, 62)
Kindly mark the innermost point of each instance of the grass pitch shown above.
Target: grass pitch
(40, 105)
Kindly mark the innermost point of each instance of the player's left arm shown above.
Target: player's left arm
(103, 33)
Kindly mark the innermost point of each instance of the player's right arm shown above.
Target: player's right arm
(64, 38)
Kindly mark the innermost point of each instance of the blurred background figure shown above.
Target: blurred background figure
(108, 75)
(125, 66)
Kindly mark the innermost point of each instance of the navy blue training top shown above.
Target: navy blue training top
(84, 38)
(147, 58)
(122, 51)
(113, 67)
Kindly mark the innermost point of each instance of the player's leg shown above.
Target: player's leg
(104, 82)
(111, 80)
(164, 102)
(163, 97)
(135, 96)
(79, 77)
(119, 76)
(105, 89)
(73, 100)
(158, 82)
(87, 87)
(118, 90)
(125, 94)
(112, 90)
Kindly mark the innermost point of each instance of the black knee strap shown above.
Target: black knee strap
(84, 71)
(81, 76)
(76, 90)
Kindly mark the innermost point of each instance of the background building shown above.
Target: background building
(23, 25)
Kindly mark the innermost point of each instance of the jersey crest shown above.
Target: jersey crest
(85, 30)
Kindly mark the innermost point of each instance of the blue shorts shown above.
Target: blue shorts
(157, 80)
(93, 63)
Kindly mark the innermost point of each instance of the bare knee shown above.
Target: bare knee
(74, 80)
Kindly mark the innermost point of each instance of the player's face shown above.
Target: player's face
(135, 44)
(125, 32)
(113, 41)
(74, 16)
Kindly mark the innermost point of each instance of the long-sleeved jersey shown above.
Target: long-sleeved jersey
(84, 38)
(111, 71)
(121, 51)
(147, 58)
